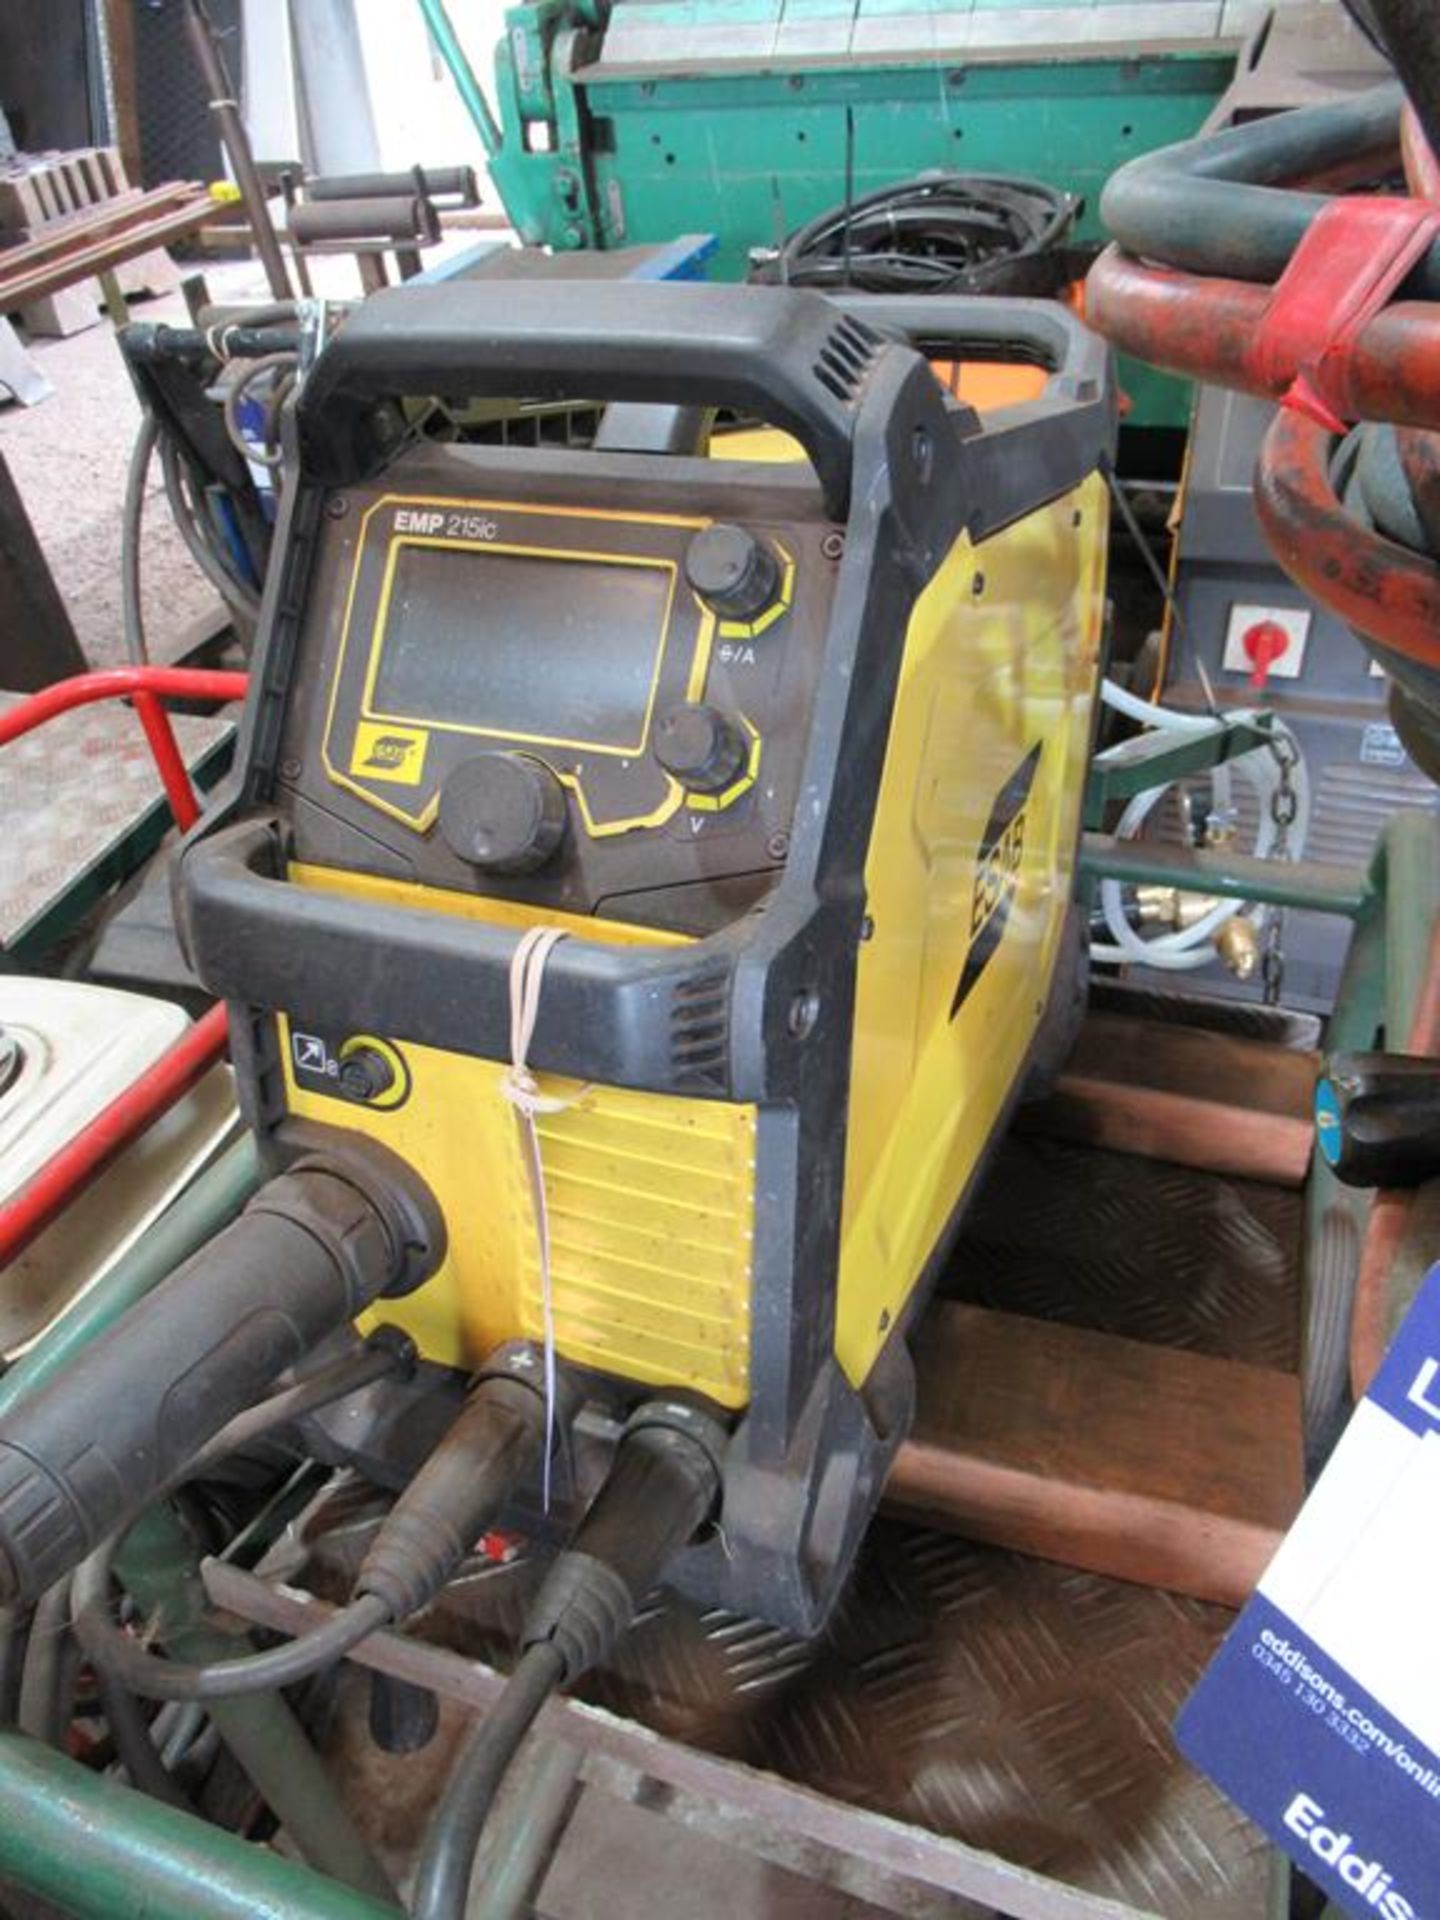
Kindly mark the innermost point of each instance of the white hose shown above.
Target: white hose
(1165, 719)
(1186, 948)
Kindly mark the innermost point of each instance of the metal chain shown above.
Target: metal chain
(1284, 806)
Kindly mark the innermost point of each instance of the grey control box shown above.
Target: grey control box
(1237, 607)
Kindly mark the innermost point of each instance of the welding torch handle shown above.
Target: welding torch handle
(85, 1453)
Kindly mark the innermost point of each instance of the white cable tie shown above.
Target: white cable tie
(520, 1087)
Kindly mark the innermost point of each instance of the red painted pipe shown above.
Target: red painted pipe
(149, 688)
(1382, 590)
(119, 683)
(65, 1174)
(1204, 329)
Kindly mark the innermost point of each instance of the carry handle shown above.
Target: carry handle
(790, 356)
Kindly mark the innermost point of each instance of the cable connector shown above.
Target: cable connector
(489, 1449)
(662, 1488)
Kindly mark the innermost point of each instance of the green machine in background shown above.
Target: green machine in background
(625, 121)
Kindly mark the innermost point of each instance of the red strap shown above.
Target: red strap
(1357, 252)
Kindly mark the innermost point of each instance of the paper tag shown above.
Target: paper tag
(1320, 1715)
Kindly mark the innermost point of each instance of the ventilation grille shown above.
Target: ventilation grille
(650, 1205)
(846, 357)
(700, 1032)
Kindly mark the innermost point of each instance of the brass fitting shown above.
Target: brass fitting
(1169, 907)
(1238, 946)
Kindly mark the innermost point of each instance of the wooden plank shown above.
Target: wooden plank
(17, 288)
(124, 81)
(1200, 1099)
(58, 236)
(1145, 1463)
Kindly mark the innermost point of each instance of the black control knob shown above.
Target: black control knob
(701, 746)
(365, 1073)
(504, 812)
(736, 573)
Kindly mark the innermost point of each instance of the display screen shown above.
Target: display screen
(522, 644)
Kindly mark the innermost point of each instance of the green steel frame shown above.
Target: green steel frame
(588, 153)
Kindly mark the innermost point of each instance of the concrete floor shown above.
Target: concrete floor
(68, 456)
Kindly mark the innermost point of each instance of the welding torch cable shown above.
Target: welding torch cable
(200, 541)
(117, 1654)
(126, 1663)
(282, 366)
(442, 1880)
(487, 1448)
(132, 518)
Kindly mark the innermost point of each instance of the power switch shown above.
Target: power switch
(1265, 643)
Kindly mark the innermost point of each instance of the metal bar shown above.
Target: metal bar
(169, 761)
(1156, 759)
(237, 144)
(104, 1852)
(1412, 900)
(1312, 884)
(912, 1852)
(208, 1204)
(49, 1190)
(463, 74)
(37, 637)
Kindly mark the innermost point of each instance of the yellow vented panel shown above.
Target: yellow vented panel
(650, 1200)
(650, 1239)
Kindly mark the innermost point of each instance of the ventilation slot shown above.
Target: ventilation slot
(846, 357)
(700, 1031)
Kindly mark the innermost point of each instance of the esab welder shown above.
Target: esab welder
(646, 888)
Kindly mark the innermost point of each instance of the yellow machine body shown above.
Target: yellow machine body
(651, 1199)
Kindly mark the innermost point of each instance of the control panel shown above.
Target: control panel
(593, 702)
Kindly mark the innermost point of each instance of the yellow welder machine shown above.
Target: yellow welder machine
(645, 888)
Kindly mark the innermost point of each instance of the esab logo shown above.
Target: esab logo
(389, 753)
(998, 860)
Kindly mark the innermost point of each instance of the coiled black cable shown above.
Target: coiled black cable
(937, 233)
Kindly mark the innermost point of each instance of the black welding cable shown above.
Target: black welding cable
(137, 1751)
(387, 1351)
(1223, 204)
(153, 1678)
(500, 1427)
(442, 1880)
(937, 233)
(1409, 33)
(44, 1708)
(14, 1639)
(129, 1666)
(132, 517)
